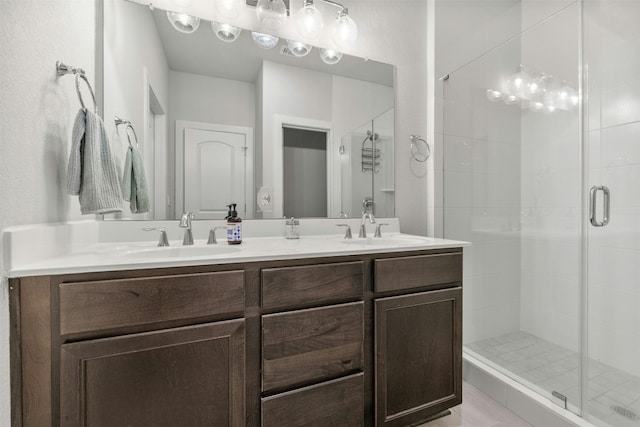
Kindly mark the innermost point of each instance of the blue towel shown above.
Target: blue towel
(134, 183)
(91, 172)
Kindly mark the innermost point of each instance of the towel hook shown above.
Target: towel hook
(62, 69)
(415, 150)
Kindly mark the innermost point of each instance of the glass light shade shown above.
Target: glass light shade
(264, 41)
(309, 21)
(536, 106)
(298, 49)
(183, 22)
(345, 30)
(225, 32)
(330, 56)
(510, 99)
(494, 95)
(271, 13)
(228, 8)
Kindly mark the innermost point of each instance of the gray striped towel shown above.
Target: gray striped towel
(91, 172)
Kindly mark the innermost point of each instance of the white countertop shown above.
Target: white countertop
(91, 254)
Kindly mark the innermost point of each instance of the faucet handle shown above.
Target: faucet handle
(378, 233)
(163, 236)
(347, 233)
(212, 235)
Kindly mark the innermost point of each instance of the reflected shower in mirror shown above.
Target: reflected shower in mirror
(212, 116)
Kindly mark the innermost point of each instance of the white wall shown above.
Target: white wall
(36, 118)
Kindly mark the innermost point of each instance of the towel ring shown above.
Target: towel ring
(416, 153)
(79, 76)
(129, 136)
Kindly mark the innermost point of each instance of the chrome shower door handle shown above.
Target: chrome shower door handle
(606, 198)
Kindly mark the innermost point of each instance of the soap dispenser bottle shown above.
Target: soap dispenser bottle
(234, 226)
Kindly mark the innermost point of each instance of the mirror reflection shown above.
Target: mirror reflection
(222, 123)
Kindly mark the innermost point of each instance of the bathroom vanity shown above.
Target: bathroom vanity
(366, 336)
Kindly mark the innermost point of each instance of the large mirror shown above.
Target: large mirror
(220, 123)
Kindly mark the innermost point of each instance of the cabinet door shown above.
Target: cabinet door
(190, 376)
(418, 351)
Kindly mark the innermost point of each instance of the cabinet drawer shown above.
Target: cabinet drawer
(393, 274)
(311, 345)
(337, 403)
(110, 304)
(290, 286)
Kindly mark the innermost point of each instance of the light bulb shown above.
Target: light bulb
(182, 22)
(330, 56)
(228, 9)
(309, 21)
(345, 30)
(271, 13)
(510, 99)
(494, 95)
(536, 106)
(225, 32)
(298, 49)
(264, 41)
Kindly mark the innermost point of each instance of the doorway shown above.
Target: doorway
(304, 172)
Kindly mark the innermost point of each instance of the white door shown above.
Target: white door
(214, 172)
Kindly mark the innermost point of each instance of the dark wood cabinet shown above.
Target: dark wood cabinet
(352, 340)
(189, 376)
(418, 356)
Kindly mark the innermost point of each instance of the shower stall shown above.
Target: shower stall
(541, 172)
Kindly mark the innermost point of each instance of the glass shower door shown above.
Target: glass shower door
(512, 183)
(612, 88)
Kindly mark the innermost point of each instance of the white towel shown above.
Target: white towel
(91, 172)
(134, 182)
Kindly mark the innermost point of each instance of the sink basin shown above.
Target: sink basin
(385, 241)
(179, 252)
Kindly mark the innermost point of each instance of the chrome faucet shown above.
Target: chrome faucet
(185, 222)
(372, 220)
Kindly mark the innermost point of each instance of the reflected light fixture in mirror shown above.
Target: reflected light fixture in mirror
(309, 21)
(298, 49)
(272, 14)
(330, 56)
(264, 41)
(182, 22)
(225, 32)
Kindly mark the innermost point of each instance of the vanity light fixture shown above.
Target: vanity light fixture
(225, 32)
(344, 30)
(309, 21)
(264, 41)
(182, 22)
(298, 49)
(330, 56)
(272, 14)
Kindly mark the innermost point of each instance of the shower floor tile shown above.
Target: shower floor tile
(614, 395)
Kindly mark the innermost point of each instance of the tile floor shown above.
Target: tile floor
(614, 396)
(478, 410)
